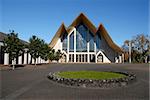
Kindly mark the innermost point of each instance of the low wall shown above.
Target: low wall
(104, 83)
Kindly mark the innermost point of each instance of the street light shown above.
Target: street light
(129, 51)
(130, 56)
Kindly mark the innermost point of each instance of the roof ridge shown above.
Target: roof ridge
(83, 18)
(99, 26)
(108, 38)
(58, 34)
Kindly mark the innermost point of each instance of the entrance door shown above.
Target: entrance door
(100, 58)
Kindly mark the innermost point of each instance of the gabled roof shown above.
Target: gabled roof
(4, 35)
(61, 30)
(101, 30)
(83, 19)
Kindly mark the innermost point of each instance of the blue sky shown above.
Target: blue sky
(123, 19)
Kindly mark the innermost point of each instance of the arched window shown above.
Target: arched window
(81, 38)
(71, 40)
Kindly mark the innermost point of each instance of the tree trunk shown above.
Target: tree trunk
(13, 63)
(146, 59)
(35, 62)
(50, 61)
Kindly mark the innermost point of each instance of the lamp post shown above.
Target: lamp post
(129, 51)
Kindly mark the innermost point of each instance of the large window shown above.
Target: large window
(71, 39)
(64, 41)
(91, 42)
(81, 38)
(98, 41)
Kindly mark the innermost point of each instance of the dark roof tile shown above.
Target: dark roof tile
(4, 35)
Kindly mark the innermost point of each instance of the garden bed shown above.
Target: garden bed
(93, 79)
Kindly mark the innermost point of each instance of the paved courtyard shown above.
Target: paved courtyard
(30, 83)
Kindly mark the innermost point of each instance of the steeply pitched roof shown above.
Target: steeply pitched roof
(83, 19)
(101, 30)
(4, 35)
(61, 30)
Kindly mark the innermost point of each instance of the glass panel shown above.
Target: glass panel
(81, 38)
(98, 42)
(71, 39)
(91, 42)
(64, 41)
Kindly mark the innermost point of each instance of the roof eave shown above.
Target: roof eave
(57, 35)
(108, 39)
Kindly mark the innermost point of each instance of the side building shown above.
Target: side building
(25, 58)
(82, 42)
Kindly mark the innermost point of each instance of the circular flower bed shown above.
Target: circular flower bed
(92, 78)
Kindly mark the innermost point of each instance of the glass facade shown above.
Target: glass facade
(64, 42)
(71, 40)
(91, 42)
(81, 38)
(98, 41)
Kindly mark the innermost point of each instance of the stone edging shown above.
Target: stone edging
(104, 83)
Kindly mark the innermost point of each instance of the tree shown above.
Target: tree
(58, 55)
(51, 54)
(13, 46)
(54, 55)
(34, 47)
(44, 50)
(141, 42)
(140, 48)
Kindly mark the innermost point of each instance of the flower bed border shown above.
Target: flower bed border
(102, 83)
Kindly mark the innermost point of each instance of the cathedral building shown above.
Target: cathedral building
(82, 42)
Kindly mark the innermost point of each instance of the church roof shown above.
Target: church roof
(101, 30)
(61, 30)
(82, 18)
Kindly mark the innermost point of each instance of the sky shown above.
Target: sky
(122, 19)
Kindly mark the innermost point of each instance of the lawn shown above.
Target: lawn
(89, 75)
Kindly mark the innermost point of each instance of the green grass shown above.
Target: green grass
(89, 75)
